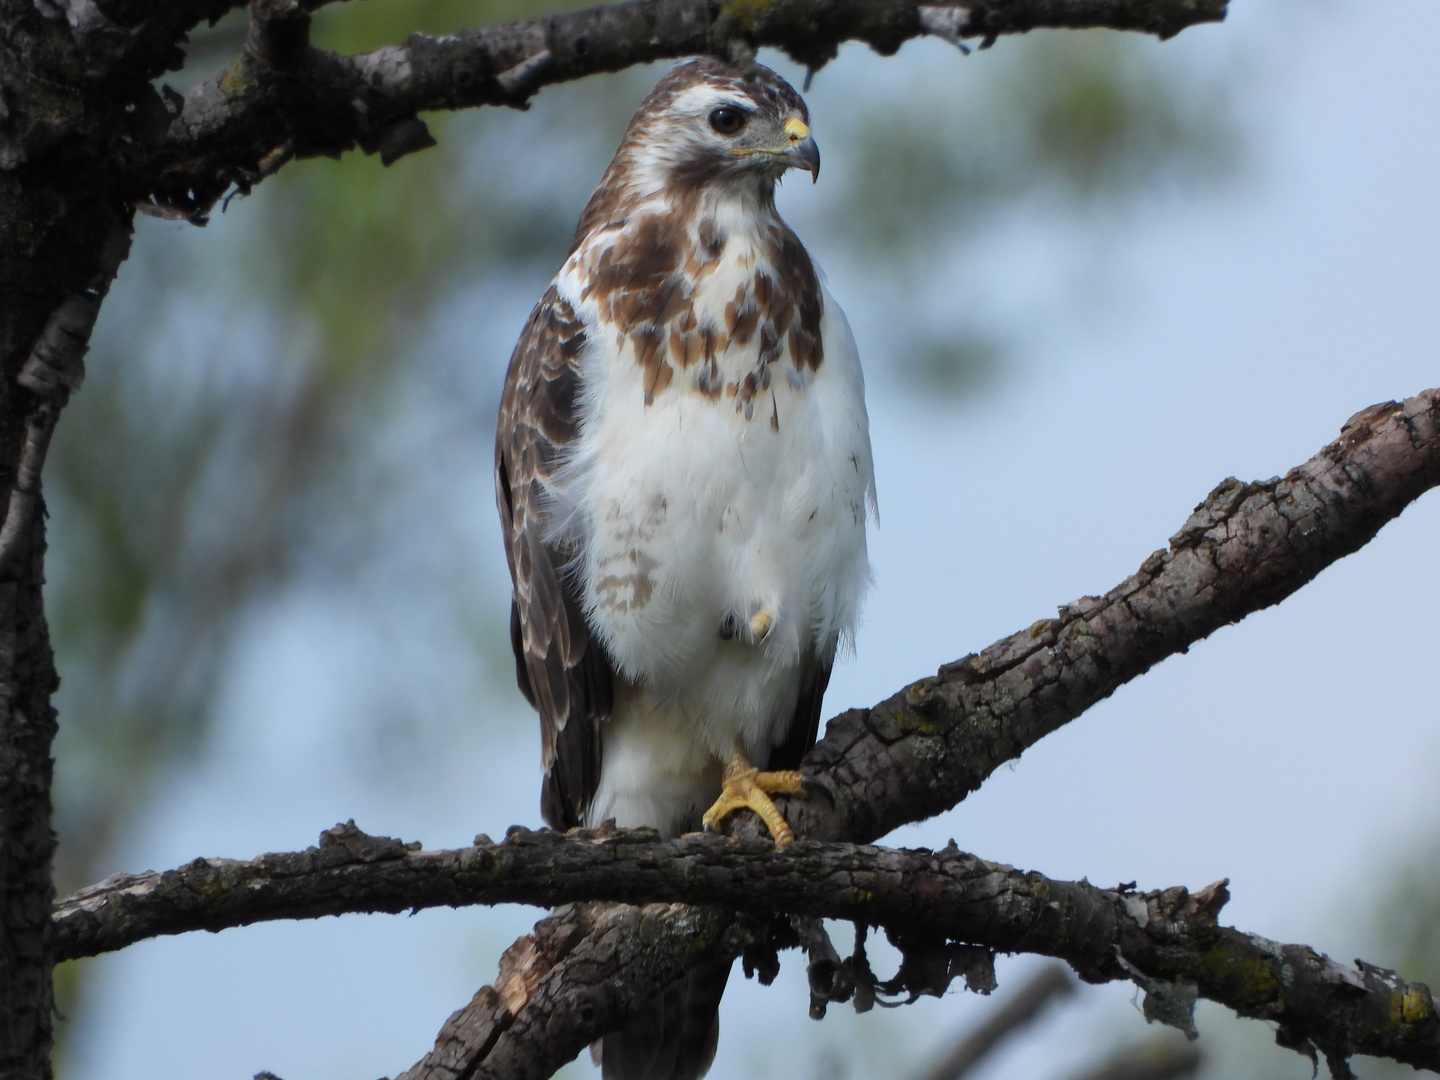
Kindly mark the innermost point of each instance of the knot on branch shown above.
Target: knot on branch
(55, 367)
(394, 138)
(361, 847)
(1218, 508)
(949, 22)
(520, 81)
(1177, 906)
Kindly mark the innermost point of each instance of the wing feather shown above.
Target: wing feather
(560, 667)
(805, 722)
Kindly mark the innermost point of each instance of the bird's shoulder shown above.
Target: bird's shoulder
(538, 403)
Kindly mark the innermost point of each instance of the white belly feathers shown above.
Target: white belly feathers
(694, 514)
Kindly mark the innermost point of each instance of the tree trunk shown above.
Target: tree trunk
(63, 231)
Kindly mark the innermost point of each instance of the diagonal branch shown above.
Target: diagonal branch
(322, 103)
(1160, 1058)
(1166, 942)
(1246, 546)
(1052, 984)
(561, 987)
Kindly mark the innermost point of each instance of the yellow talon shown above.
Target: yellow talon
(747, 788)
(760, 624)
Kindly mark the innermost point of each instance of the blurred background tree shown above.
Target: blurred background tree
(288, 420)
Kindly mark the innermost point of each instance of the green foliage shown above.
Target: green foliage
(354, 28)
(1060, 133)
(1110, 117)
(959, 364)
(164, 525)
(1408, 915)
(1089, 117)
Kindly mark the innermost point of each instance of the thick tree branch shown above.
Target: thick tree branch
(582, 973)
(128, 42)
(55, 369)
(317, 102)
(1245, 547)
(1168, 942)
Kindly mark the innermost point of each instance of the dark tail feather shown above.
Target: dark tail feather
(674, 1036)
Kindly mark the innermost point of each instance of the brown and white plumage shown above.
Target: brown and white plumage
(683, 471)
(562, 672)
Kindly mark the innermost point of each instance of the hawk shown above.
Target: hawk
(683, 475)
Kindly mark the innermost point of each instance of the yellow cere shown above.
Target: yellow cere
(796, 128)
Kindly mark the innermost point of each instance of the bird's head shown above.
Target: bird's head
(707, 122)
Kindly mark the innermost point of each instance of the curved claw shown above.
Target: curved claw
(747, 788)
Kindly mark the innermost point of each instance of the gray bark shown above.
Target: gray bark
(1245, 547)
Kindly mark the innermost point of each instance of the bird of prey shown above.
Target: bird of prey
(683, 474)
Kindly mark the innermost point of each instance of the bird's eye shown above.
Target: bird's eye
(727, 121)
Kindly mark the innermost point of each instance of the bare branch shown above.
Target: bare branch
(1050, 985)
(1246, 547)
(1161, 1058)
(321, 103)
(1167, 942)
(55, 369)
(558, 989)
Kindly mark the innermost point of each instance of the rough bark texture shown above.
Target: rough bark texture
(1245, 547)
(43, 329)
(282, 98)
(558, 990)
(63, 231)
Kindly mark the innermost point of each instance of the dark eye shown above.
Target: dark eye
(727, 121)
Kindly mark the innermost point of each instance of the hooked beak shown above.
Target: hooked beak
(802, 153)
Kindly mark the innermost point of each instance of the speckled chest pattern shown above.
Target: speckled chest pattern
(704, 310)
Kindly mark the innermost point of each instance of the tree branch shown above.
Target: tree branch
(921, 751)
(1246, 547)
(561, 987)
(1160, 1058)
(55, 369)
(1166, 942)
(322, 103)
(1051, 984)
